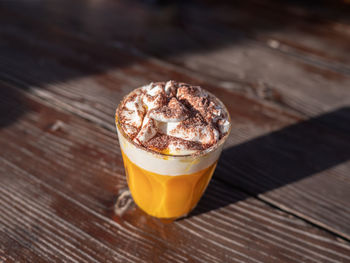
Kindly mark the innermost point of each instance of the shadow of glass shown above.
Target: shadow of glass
(57, 41)
(280, 158)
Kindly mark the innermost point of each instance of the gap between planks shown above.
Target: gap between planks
(209, 79)
(292, 212)
(62, 107)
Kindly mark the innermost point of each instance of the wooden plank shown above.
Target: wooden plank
(68, 77)
(285, 80)
(304, 74)
(60, 175)
(251, 119)
(14, 251)
(305, 163)
(219, 46)
(308, 28)
(61, 62)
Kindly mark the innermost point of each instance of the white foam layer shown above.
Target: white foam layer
(167, 165)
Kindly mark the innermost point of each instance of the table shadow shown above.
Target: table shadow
(56, 41)
(278, 159)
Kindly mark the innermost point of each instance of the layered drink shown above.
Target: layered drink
(171, 136)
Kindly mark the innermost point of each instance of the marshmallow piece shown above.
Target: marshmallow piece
(130, 130)
(147, 87)
(173, 112)
(133, 114)
(153, 89)
(132, 118)
(196, 97)
(186, 135)
(135, 105)
(167, 127)
(224, 125)
(175, 148)
(154, 97)
(170, 88)
(215, 112)
(188, 92)
(199, 133)
(148, 130)
(209, 135)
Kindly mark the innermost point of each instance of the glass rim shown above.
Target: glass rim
(196, 154)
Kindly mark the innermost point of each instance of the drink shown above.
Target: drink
(171, 136)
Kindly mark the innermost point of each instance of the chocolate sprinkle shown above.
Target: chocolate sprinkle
(192, 105)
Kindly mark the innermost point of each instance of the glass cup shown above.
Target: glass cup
(167, 186)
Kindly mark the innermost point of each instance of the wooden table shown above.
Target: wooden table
(281, 192)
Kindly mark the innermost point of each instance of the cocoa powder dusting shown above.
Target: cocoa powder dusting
(192, 105)
(160, 142)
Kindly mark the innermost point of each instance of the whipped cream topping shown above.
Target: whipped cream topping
(173, 118)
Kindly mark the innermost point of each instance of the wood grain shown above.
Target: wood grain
(309, 41)
(60, 176)
(302, 164)
(67, 77)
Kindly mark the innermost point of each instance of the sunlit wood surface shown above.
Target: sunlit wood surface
(281, 191)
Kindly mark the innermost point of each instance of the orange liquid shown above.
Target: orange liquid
(166, 196)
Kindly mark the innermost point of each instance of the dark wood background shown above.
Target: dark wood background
(281, 191)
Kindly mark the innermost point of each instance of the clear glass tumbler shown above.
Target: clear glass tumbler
(163, 185)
